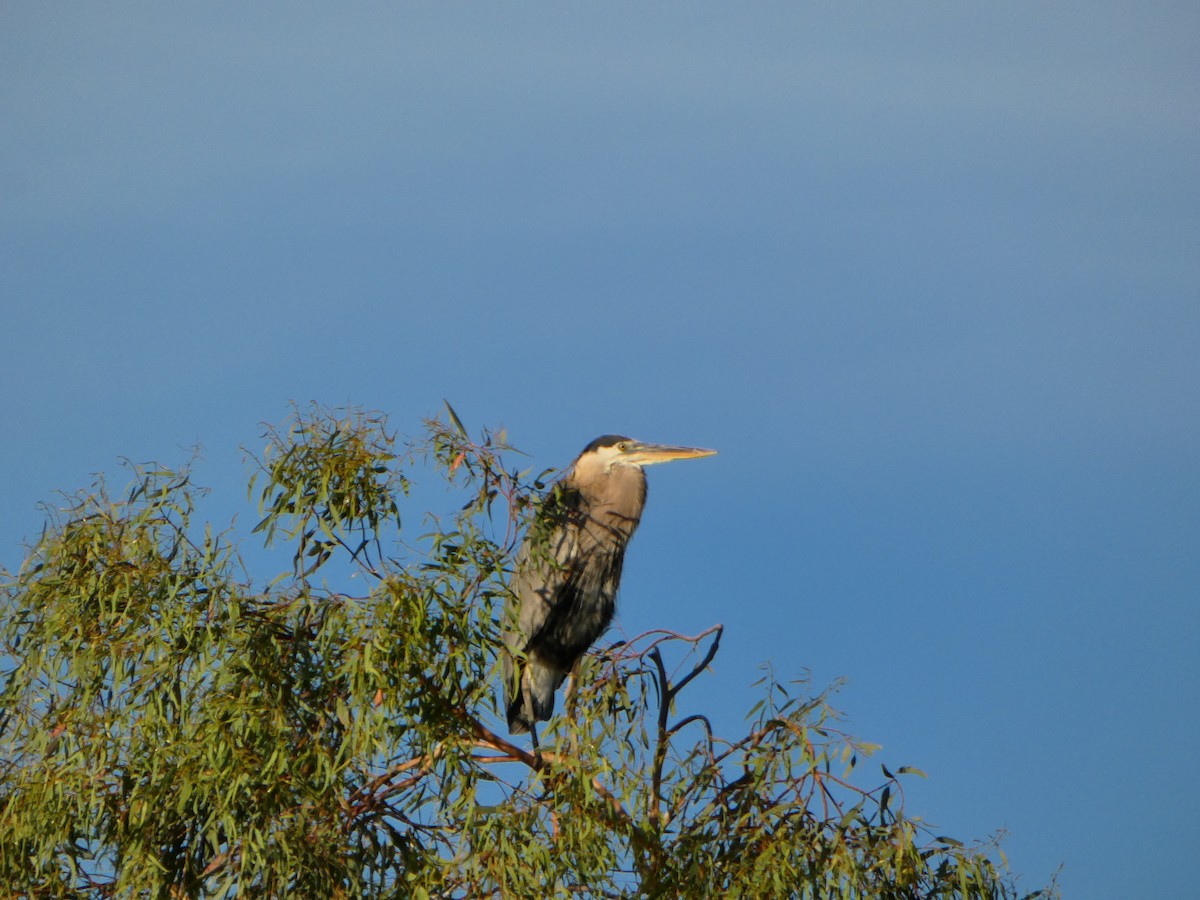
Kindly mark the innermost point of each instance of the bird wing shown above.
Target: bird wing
(541, 590)
(546, 572)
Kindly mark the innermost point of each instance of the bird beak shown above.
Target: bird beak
(647, 454)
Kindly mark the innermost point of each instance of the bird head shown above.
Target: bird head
(617, 450)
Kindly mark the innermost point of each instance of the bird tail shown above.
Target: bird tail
(540, 681)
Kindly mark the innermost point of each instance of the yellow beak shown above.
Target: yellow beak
(640, 454)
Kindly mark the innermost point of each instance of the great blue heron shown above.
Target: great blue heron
(568, 570)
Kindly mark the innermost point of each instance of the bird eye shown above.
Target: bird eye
(623, 446)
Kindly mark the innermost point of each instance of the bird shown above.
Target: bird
(564, 585)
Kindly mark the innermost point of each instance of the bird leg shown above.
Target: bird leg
(537, 751)
(527, 700)
(569, 694)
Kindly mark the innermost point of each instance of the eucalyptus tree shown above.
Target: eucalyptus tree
(175, 726)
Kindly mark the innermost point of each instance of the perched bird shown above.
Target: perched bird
(567, 571)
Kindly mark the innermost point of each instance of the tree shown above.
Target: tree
(174, 728)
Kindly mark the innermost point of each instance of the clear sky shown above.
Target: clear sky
(927, 275)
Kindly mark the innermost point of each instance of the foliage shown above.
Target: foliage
(173, 728)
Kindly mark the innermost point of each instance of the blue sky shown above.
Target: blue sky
(928, 276)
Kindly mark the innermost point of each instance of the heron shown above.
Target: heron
(566, 575)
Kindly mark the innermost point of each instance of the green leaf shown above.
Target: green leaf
(458, 425)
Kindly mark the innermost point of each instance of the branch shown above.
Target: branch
(373, 792)
(629, 649)
(716, 631)
(665, 694)
(485, 737)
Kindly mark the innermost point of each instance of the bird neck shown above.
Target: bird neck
(615, 498)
